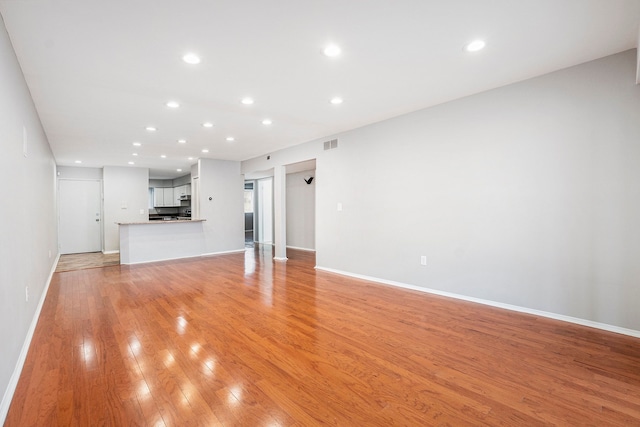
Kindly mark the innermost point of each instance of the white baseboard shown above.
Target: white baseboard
(301, 249)
(13, 381)
(110, 252)
(555, 316)
(235, 251)
(277, 258)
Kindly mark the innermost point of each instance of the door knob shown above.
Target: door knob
(97, 219)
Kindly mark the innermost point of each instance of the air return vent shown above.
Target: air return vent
(330, 145)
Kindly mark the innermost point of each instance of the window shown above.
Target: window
(248, 201)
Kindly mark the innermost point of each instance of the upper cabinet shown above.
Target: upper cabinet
(165, 197)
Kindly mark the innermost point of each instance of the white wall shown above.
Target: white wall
(72, 172)
(221, 181)
(524, 195)
(28, 230)
(301, 211)
(126, 199)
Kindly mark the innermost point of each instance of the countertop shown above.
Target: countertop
(173, 221)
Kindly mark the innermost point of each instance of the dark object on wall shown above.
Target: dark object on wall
(308, 180)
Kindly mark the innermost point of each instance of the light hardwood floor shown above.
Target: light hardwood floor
(239, 340)
(70, 262)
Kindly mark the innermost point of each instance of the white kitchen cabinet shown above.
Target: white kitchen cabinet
(169, 199)
(164, 198)
(158, 197)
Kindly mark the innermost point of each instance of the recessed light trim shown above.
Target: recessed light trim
(230, 139)
(78, 161)
(189, 158)
(134, 154)
(332, 50)
(191, 58)
(475, 45)
(163, 156)
(247, 101)
(336, 100)
(178, 170)
(204, 150)
(131, 163)
(267, 122)
(151, 128)
(173, 104)
(207, 125)
(182, 141)
(137, 144)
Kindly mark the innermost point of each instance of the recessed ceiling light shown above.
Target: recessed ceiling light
(191, 58)
(78, 161)
(189, 158)
(172, 104)
(266, 122)
(247, 101)
(134, 154)
(131, 163)
(178, 170)
(230, 138)
(182, 141)
(208, 125)
(475, 46)
(137, 144)
(151, 128)
(337, 100)
(164, 156)
(332, 50)
(204, 150)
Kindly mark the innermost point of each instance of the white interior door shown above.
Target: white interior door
(80, 219)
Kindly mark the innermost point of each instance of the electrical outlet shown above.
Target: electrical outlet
(26, 293)
(423, 260)
(339, 207)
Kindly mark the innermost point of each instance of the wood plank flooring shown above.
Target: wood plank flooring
(239, 340)
(70, 262)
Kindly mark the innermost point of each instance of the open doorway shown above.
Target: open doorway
(249, 209)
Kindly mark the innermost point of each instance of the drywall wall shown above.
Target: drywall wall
(28, 230)
(72, 172)
(523, 195)
(126, 199)
(220, 190)
(301, 210)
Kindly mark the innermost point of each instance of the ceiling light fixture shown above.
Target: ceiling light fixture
(475, 46)
(173, 104)
(332, 50)
(163, 156)
(134, 154)
(78, 161)
(204, 150)
(137, 144)
(207, 124)
(230, 138)
(266, 122)
(151, 128)
(178, 170)
(191, 58)
(131, 163)
(247, 101)
(336, 101)
(189, 158)
(182, 141)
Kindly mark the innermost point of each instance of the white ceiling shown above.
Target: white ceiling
(101, 71)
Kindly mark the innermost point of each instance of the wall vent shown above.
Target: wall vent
(330, 145)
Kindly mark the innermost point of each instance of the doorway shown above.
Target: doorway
(80, 228)
(249, 207)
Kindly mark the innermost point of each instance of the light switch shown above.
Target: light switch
(141, 211)
(339, 207)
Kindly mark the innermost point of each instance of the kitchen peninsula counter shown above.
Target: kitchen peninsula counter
(150, 241)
